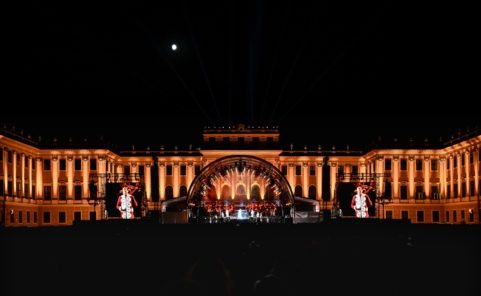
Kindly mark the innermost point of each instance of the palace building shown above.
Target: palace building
(240, 172)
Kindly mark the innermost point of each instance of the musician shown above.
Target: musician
(360, 203)
(126, 203)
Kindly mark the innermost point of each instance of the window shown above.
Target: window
(435, 216)
(63, 164)
(12, 216)
(211, 140)
(455, 162)
(20, 217)
(447, 216)
(284, 170)
(270, 140)
(419, 192)
(78, 164)
(420, 216)
(93, 164)
(35, 217)
(455, 190)
(34, 192)
(404, 192)
(455, 217)
(404, 215)
(168, 170)
(471, 157)
(62, 217)
(434, 164)
(183, 170)
(434, 192)
(448, 164)
(298, 191)
(255, 140)
(471, 187)
(448, 192)
(126, 170)
(298, 170)
(169, 192)
(226, 140)
(197, 170)
(62, 192)
(46, 164)
(419, 164)
(47, 192)
(9, 156)
(404, 165)
(471, 215)
(78, 192)
(141, 170)
(463, 189)
(389, 214)
(77, 216)
(28, 217)
(340, 170)
(312, 192)
(354, 170)
(387, 164)
(312, 170)
(46, 217)
(463, 216)
(462, 160)
(183, 191)
(92, 216)
(387, 190)
(241, 140)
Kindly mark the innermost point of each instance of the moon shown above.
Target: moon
(174, 47)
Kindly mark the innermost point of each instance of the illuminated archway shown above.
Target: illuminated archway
(224, 188)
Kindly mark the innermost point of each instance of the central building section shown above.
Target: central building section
(240, 187)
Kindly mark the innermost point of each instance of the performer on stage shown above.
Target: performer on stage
(126, 203)
(360, 203)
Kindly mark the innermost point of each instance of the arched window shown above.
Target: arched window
(183, 191)
(312, 192)
(241, 190)
(255, 192)
(225, 193)
(298, 191)
(169, 192)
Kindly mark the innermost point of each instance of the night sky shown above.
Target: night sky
(380, 68)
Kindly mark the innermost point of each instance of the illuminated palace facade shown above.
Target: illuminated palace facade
(51, 186)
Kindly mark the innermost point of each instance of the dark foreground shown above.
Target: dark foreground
(345, 258)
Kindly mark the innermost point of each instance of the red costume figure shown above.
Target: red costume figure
(360, 203)
(126, 203)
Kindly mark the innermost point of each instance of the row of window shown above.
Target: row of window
(435, 216)
(62, 217)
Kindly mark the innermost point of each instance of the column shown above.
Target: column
(190, 174)
(333, 170)
(466, 167)
(148, 182)
(476, 171)
(162, 180)
(70, 174)
(22, 175)
(442, 176)
(451, 175)
(427, 171)
(30, 177)
(14, 173)
(176, 179)
(319, 180)
(55, 172)
(39, 171)
(85, 177)
(102, 176)
(305, 179)
(458, 171)
(290, 176)
(395, 177)
(411, 172)
(380, 171)
(5, 172)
